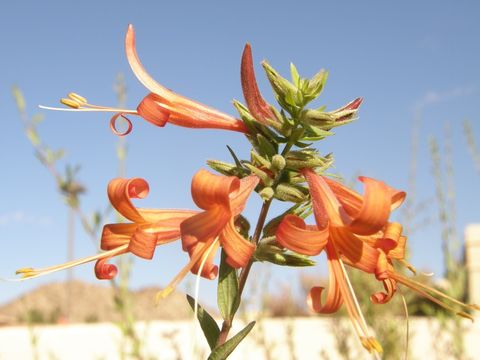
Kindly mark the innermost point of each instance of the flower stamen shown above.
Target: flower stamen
(30, 273)
(186, 269)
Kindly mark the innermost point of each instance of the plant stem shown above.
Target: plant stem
(227, 323)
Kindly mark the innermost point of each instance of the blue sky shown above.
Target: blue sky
(402, 57)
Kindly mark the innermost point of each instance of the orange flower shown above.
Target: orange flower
(257, 106)
(222, 198)
(149, 228)
(160, 106)
(355, 230)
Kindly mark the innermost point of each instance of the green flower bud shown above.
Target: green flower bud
(266, 193)
(287, 192)
(278, 162)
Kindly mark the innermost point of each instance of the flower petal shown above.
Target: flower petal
(209, 270)
(203, 227)
(209, 190)
(326, 207)
(120, 191)
(183, 111)
(143, 244)
(292, 233)
(115, 235)
(104, 270)
(375, 210)
(238, 199)
(353, 250)
(239, 250)
(150, 109)
(334, 297)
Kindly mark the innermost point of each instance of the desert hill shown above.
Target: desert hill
(89, 302)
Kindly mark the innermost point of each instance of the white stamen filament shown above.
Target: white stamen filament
(363, 323)
(197, 291)
(52, 269)
(92, 108)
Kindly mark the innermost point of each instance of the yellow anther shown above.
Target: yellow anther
(23, 270)
(371, 344)
(78, 98)
(465, 315)
(365, 343)
(409, 266)
(164, 293)
(474, 306)
(375, 345)
(70, 103)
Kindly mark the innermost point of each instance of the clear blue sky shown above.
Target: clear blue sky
(399, 56)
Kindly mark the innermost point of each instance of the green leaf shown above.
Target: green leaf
(223, 351)
(295, 76)
(207, 323)
(227, 292)
(266, 146)
(235, 158)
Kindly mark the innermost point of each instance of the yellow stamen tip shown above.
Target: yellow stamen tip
(78, 98)
(371, 344)
(70, 103)
(375, 345)
(164, 293)
(23, 270)
(465, 315)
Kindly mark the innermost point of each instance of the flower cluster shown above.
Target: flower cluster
(351, 228)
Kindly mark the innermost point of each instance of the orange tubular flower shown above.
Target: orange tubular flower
(355, 230)
(149, 228)
(160, 106)
(257, 106)
(222, 198)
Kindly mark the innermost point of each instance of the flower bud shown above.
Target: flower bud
(266, 193)
(278, 162)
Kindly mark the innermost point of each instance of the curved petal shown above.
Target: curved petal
(353, 250)
(104, 270)
(120, 191)
(292, 233)
(209, 270)
(257, 105)
(390, 287)
(399, 251)
(140, 71)
(239, 250)
(352, 201)
(375, 210)
(326, 207)
(151, 110)
(209, 190)
(238, 199)
(190, 113)
(390, 237)
(143, 244)
(169, 218)
(334, 297)
(115, 235)
(203, 227)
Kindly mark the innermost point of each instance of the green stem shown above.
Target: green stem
(227, 323)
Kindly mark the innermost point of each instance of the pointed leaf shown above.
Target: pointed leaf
(235, 158)
(227, 292)
(207, 323)
(223, 351)
(294, 72)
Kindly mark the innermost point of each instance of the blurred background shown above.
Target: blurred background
(414, 63)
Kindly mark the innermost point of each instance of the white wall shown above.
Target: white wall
(165, 340)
